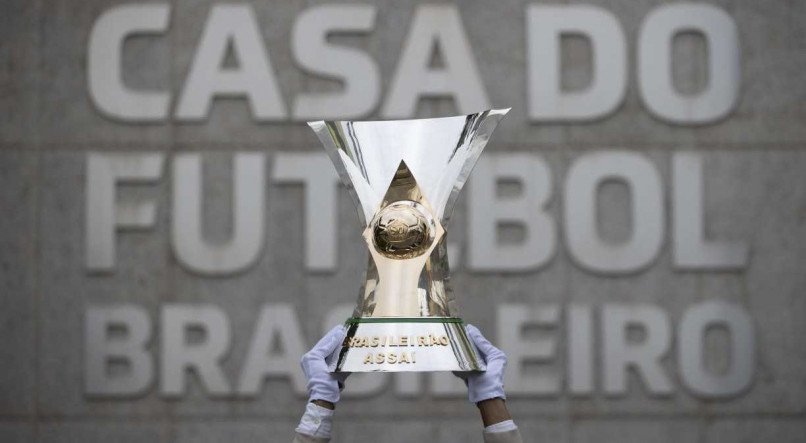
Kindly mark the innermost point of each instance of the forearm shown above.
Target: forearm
(493, 411)
(498, 424)
(325, 404)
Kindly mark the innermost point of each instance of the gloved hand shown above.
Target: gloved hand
(490, 383)
(322, 384)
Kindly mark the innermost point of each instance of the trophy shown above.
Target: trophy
(404, 177)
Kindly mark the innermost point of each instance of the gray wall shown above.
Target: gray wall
(755, 192)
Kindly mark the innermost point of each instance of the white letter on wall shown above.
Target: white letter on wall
(203, 355)
(436, 25)
(277, 323)
(315, 172)
(249, 196)
(104, 55)
(103, 214)
(655, 63)
(618, 353)
(545, 25)
(691, 332)
(584, 178)
(691, 250)
(487, 212)
(311, 50)
(580, 335)
(235, 26)
(102, 349)
(511, 320)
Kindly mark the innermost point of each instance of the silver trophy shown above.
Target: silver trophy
(405, 176)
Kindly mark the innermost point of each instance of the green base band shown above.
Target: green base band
(356, 320)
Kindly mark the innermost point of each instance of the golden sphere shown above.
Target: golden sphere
(403, 229)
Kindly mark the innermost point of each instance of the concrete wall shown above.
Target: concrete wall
(755, 191)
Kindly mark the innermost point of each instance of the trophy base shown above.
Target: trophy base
(406, 344)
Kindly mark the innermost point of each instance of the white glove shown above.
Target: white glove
(490, 383)
(322, 384)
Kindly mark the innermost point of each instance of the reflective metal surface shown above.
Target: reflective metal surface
(403, 229)
(406, 346)
(404, 177)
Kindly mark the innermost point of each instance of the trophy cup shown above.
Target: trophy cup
(404, 177)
